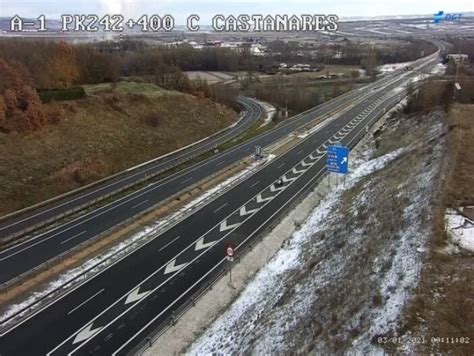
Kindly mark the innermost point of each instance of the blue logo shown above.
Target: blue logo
(438, 17)
(441, 16)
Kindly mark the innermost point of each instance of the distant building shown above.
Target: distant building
(458, 58)
(301, 68)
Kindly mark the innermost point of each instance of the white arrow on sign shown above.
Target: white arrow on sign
(201, 245)
(172, 267)
(135, 295)
(225, 227)
(344, 160)
(86, 333)
(243, 211)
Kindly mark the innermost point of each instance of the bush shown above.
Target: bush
(47, 96)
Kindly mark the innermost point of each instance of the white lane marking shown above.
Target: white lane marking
(186, 180)
(28, 247)
(281, 165)
(85, 301)
(220, 208)
(143, 202)
(219, 163)
(169, 243)
(299, 152)
(76, 235)
(254, 184)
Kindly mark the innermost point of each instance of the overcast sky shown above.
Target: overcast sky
(206, 9)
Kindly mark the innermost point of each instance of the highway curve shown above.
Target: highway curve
(32, 219)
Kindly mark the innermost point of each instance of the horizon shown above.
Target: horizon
(206, 9)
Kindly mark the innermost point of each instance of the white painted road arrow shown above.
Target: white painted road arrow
(304, 164)
(86, 333)
(225, 227)
(243, 211)
(135, 296)
(274, 189)
(297, 171)
(285, 179)
(172, 267)
(261, 199)
(201, 245)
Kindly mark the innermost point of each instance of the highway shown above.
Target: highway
(60, 207)
(40, 249)
(112, 312)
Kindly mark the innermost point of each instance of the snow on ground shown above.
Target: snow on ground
(391, 67)
(270, 111)
(92, 266)
(460, 228)
(343, 277)
(315, 128)
(440, 68)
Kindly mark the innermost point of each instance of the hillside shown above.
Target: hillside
(109, 130)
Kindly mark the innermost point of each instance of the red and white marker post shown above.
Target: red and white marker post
(230, 251)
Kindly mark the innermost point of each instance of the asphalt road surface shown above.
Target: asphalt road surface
(112, 312)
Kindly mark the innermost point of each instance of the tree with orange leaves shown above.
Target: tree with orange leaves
(64, 68)
(20, 107)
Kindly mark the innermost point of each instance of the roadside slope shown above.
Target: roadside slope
(110, 130)
(342, 280)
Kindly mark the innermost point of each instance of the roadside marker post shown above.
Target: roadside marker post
(230, 251)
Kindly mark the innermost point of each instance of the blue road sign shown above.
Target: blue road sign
(337, 159)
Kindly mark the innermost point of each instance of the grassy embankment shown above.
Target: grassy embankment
(108, 131)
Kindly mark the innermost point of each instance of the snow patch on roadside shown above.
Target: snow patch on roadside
(460, 229)
(270, 112)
